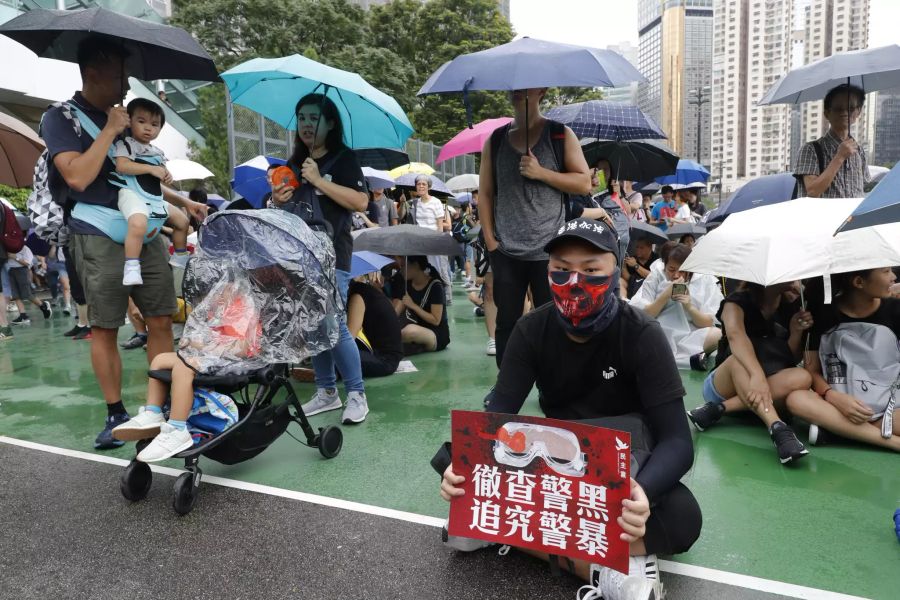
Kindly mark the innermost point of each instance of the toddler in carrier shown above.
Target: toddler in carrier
(140, 168)
(231, 330)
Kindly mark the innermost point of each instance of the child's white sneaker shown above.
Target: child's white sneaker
(142, 426)
(180, 260)
(167, 444)
(132, 274)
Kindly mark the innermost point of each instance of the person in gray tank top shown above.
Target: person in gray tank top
(523, 208)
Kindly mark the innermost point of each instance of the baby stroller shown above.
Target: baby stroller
(270, 260)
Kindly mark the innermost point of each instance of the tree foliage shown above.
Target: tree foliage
(214, 154)
(16, 196)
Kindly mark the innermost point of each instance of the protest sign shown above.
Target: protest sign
(543, 484)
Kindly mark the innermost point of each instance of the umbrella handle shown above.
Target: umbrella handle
(466, 103)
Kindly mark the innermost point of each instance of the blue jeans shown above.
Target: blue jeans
(345, 355)
(710, 393)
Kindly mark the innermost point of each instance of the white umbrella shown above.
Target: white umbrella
(793, 240)
(463, 183)
(378, 179)
(182, 170)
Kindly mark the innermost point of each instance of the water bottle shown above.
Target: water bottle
(897, 523)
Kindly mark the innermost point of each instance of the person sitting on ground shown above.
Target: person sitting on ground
(240, 338)
(688, 240)
(424, 324)
(374, 325)
(863, 299)
(637, 267)
(588, 352)
(685, 305)
(756, 363)
(138, 158)
(664, 209)
(19, 266)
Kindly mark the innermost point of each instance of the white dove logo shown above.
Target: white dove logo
(620, 445)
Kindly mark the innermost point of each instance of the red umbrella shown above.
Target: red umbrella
(470, 140)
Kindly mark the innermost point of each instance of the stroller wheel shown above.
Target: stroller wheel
(185, 494)
(136, 480)
(330, 440)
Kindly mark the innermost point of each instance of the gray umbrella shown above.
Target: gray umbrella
(640, 230)
(155, 51)
(675, 232)
(406, 240)
(870, 70)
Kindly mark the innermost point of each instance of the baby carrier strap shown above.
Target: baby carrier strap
(306, 204)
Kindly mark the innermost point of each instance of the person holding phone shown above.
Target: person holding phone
(685, 305)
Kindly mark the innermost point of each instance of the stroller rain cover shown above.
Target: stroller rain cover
(262, 289)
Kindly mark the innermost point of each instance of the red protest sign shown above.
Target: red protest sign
(543, 484)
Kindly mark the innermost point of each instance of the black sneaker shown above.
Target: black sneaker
(84, 333)
(705, 416)
(46, 310)
(819, 436)
(479, 312)
(21, 320)
(786, 442)
(699, 362)
(73, 332)
(105, 440)
(136, 341)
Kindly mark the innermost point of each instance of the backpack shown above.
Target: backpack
(863, 360)
(557, 143)
(460, 231)
(820, 158)
(11, 234)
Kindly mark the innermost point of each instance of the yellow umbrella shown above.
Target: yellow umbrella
(414, 167)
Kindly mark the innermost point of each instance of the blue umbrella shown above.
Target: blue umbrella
(688, 171)
(529, 63)
(879, 207)
(770, 189)
(605, 120)
(250, 179)
(364, 262)
(272, 87)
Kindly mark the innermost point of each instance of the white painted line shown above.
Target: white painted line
(676, 568)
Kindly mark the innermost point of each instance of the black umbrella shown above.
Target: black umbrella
(632, 161)
(648, 188)
(155, 51)
(640, 230)
(383, 159)
(406, 240)
(677, 231)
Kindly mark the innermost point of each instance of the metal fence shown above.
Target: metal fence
(250, 134)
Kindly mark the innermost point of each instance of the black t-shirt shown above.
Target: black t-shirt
(775, 329)
(345, 171)
(396, 286)
(635, 280)
(435, 296)
(629, 368)
(379, 321)
(830, 316)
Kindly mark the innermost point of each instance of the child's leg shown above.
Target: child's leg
(134, 241)
(179, 223)
(182, 392)
(157, 390)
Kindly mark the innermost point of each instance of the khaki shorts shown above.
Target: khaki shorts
(99, 262)
(131, 204)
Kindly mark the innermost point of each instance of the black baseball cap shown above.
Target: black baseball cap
(596, 233)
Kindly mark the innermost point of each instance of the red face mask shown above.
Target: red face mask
(583, 300)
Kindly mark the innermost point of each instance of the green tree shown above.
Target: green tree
(569, 95)
(16, 196)
(214, 154)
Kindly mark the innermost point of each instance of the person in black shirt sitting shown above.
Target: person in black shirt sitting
(424, 323)
(587, 352)
(637, 267)
(373, 324)
(756, 365)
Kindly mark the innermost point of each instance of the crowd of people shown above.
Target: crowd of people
(599, 319)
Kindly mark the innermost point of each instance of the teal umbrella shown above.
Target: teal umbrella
(272, 87)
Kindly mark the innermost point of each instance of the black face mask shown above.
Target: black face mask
(585, 304)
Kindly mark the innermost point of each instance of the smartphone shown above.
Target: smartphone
(679, 289)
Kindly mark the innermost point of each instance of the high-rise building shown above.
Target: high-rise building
(887, 128)
(752, 48)
(832, 26)
(675, 55)
(627, 93)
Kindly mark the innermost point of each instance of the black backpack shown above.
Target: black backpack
(820, 157)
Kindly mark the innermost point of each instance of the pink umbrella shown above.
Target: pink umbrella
(470, 141)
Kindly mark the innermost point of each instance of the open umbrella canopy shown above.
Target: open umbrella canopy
(761, 191)
(881, 206)
(413, 167)
(272, 87)
(765, 245)
(383, 159)
(182, 170)
(364, 262)
(606, 120)
(438, 188)
(406, 240)
(639, 230)
(531, 63)
(250, 179)
(377, 179)
(632, 161)
(688, 171)
(679, 230)
(471, 139)
(155, 51)
(467, 182)
(871, 70)
(20, 148)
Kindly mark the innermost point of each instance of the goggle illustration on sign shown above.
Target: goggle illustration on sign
(518, 444)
